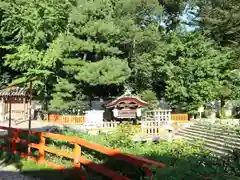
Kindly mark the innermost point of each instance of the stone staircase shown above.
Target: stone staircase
(219, 141)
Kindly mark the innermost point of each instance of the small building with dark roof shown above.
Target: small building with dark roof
(19, 99)
(126, 106)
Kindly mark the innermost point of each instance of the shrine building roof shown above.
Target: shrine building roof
(126, 99)
(16, 91)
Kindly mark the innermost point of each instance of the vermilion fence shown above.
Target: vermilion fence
(66, 119)
(76, 155)
(79, 120)
(179, 117)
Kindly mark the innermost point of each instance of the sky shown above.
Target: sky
(185, 17)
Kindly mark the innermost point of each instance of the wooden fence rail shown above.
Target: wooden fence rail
(179, 117)
(79, 120)
(66, 119)
(76, 156)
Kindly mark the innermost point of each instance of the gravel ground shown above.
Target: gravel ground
(9, 172)
(5, 175)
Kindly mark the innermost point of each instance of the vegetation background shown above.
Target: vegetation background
(186, 52)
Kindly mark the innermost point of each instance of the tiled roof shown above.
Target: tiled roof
(135, 99)
(127, 96)
(16, 91)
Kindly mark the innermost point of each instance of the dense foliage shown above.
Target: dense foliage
(81, 49)
(183, 160)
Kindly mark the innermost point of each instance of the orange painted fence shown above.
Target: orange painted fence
(79, 120)
(76, 156)
(66, 119)
(179, 117)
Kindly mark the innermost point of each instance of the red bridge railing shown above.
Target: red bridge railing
(77, 158)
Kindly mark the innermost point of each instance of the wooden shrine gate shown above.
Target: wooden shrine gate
(14, 140)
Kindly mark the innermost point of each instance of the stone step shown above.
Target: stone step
(211, 136)
(217, 144)
(215, 133)
(218, 140)
(216, 129)
(215, 148)
(211, 148)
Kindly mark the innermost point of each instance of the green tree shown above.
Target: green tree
(150, 97)
(76, 46)
(29, 28)
(192, 71)
(219, 20)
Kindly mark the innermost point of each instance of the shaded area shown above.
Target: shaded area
(31, 169)
(187, 168)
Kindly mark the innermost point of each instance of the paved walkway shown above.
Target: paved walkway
(35, 125)
(7, 175)
(9, 172)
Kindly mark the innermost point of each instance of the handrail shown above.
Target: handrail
(76, 156)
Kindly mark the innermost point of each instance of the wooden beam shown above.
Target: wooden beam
(2, 110)
(30, 115)
(10, 110)
(30, 80)
(24, 109)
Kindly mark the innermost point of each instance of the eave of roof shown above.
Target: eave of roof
(135, 99)
(16, 91)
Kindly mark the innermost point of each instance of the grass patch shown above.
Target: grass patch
(29, 165)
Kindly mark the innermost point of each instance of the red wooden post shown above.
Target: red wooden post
(148, 172)
(14, 141)
(10, 114)
(41, 148)
(30, 117)
(77, 154)
(76, 162)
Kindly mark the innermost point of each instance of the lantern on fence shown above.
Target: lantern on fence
(115, 112)
(139, 112)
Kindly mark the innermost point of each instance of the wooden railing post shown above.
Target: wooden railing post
(14, 142)
(77, 154)
(10, 135)
(148, 172)
(41, 148)
(78, 174)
